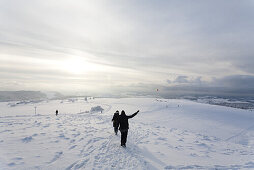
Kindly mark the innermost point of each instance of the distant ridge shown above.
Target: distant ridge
(6, 96)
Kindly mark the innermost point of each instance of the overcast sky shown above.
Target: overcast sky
(127, 46)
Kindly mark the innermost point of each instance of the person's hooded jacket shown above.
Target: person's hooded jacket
(116, 119)
(123, 120)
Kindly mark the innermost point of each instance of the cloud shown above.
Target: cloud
(235, 81)
(139, 42)
(233, 85)
(182, 79)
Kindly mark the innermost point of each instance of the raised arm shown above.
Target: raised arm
(134, 114)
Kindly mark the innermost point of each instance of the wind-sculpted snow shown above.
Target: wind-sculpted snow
(96, 109)
(166, 134)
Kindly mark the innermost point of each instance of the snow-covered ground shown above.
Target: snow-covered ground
(166, 134)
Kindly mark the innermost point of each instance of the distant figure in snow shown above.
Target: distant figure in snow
(115, 121)
(56, 112)
(124, 126)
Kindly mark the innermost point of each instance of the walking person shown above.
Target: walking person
(115, 121)
(124, 126)
(56, 112)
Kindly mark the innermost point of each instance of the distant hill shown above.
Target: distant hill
(6, 96)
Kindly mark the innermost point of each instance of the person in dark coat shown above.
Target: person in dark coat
(56, 112)
(124, 126)
(115, 121)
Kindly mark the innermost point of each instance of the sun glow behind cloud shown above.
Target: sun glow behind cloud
(98, 45)
(78, 65)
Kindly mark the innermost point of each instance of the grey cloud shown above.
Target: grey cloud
(235, 85)
(182, 79)
(201, 38)
(236, 82)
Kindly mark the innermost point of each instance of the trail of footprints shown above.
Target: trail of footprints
(80, 134)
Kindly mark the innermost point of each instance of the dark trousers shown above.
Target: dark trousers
(124, 134)
(116, 130)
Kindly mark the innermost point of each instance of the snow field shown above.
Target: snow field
(166, 134)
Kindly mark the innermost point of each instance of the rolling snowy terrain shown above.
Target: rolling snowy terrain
(166, 134)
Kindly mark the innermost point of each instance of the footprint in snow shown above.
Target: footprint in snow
(63, 136)
(72, 147)
(27, 139)
(47, 125)
(55, 141)
(17, 158)
(203, 145)
(56, 157)
(11, 164)
(193, 155)
(163, 139)
(75, 135)
(73, 140)
(76, 165)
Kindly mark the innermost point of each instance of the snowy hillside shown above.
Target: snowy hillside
(6, 96)
(166, 134)
(21, 95)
